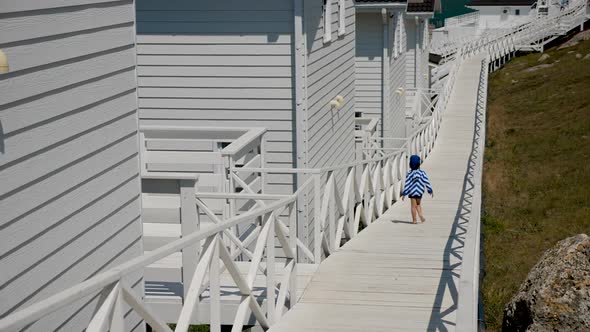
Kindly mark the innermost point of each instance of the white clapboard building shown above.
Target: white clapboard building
(115, 114)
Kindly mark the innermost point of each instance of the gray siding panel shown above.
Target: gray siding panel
(69, 169)
(219, 63)
(330, 72)
(396, 115)
(369, 54)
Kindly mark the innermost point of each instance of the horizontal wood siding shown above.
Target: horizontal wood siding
(411, 53)
(369, 54)
(396, 115)
(220, 63)
(330, 72)
(69, 170)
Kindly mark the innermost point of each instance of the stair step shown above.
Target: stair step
(156, 235)
(160, 208)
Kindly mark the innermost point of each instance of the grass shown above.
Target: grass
(537, 168)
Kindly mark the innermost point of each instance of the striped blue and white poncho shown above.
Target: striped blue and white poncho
(416, 180)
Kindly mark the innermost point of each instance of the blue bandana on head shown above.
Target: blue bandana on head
(414, 162)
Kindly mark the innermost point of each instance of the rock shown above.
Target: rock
(544, 57)
(556, 294)
(587, 57)
(570, 52)
(578, 56)
(514, 81)
(535, 68)
(584, 35)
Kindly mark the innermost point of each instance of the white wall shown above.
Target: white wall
(330, 72)
(493, 16)
(395, 116)
(220, 63)
(69, 184)
(369, 56)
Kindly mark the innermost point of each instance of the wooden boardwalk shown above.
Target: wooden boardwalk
(396, 276)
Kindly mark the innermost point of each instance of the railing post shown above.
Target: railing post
(270, 269)
(317, 235)
(293, 245)
(188, 225)
(214, 288)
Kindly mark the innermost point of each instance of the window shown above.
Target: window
(341, 18)
(517, 12)
(327, 13)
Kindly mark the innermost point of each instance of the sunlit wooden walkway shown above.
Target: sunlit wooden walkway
(396, 276)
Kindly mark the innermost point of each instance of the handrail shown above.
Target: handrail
(468, 289)
(371, 186)
(37, 310)
(243, 141)
(455, 20)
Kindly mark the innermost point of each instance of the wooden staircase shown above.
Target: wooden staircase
(178, 163)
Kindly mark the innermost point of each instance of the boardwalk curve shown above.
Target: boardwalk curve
(395, 276)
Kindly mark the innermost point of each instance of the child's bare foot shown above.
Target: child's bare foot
(414, 222)
(423, 219)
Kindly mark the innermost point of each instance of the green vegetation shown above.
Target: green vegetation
(537, 170)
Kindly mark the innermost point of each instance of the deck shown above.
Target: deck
(395, 276)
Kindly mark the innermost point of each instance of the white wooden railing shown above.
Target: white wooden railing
(528, 35)
(472, 17)
(343, 197)
(468, 289)
(369, 188)
(364, 129)
(498, 44)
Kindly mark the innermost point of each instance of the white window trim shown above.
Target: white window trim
(341, 18)
(398, 34)
(327, 21)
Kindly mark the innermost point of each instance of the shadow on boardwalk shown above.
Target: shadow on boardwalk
(454, 248)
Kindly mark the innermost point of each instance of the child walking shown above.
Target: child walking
(416, 180)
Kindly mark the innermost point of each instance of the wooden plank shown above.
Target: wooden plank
(233, 4)
(214, 71)
(171, 14)
(183, 157)
(179, 144)
(250, 104)
(213, 38)
(214, 60)
(215, 93)
(209, 114)
(190, 49)
(216, 82)
(215, 27)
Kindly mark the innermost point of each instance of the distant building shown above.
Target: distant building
(496, 13)
(488, 14)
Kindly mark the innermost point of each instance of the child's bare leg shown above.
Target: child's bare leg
(414, 210)
(419, 209)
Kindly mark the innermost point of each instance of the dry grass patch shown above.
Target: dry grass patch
(537, 169)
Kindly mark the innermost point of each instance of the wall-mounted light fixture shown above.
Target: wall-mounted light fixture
(400, 91)
(3, 63)
(337, 102)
